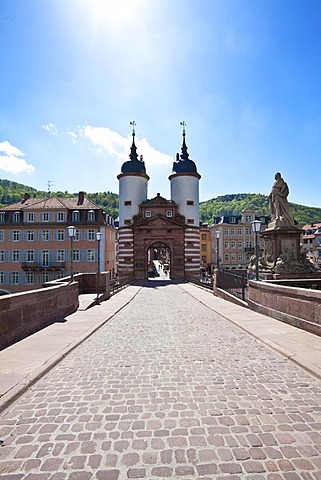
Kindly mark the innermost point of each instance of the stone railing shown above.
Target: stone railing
(22, 314)
(297, 302)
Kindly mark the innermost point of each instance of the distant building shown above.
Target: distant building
(311, 242)
(205, 248)
(237, 240)
(34, 242)
(167, 230)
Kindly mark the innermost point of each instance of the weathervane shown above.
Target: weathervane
(183, 125)
(133, 123)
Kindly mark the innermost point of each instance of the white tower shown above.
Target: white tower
(132, 192)
(185, 192)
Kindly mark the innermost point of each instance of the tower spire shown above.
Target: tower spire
(184, 155)
(133, 149)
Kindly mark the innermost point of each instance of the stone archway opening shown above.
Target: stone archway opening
(159, 261)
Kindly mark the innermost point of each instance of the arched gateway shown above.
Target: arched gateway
(159, 261)
(158, 223)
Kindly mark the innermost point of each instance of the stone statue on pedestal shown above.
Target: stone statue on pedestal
(280, 210)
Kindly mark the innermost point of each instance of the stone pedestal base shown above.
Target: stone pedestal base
(282, 242)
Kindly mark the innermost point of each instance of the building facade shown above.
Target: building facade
(236, 243)
(311, 242)
(159, 225)
(205, 248)
(35, 247)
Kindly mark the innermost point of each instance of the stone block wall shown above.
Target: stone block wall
(300, 307)
(22, 314)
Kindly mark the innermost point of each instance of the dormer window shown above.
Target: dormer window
(148, 213)
(169, 213)
(16, 217)
(91, 216)
(2, 217)
(75, 216)
(232, 220)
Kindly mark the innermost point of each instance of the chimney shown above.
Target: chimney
(81, 197)
(25, 197)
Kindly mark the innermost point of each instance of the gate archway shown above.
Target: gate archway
(159, 261)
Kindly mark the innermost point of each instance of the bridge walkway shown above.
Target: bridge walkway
(162, 381)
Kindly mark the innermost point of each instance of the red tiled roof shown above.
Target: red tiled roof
(55, 203)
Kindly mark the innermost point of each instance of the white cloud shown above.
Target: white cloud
(73, 136)
(51, 128)
(10, 161)
(117, 146)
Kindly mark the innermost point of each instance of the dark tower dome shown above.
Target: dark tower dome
(183, 164)
(134, 165)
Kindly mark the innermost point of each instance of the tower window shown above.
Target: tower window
(148, 213)
(127, 222)
(190, 220)
(190, 202)
(169, 213)
(127, 203)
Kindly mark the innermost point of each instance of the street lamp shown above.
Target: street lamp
(71, 233)
(98, 238)
(217, 236)
(256, 228)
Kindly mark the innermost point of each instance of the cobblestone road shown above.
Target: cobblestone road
(166, 389)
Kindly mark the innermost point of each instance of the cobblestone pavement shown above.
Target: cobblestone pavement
(166, 389)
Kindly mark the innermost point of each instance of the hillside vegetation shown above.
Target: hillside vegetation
(12, 192)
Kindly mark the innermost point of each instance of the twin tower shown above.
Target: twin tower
(159, 224)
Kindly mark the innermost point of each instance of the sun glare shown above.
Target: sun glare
(116, 12)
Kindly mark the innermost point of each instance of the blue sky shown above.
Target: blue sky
(245, 76)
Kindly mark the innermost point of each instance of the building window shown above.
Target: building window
(1, 235)
(45, 277)
(225, 231)
(233, 257)
(45, 258)
(30, 256)
(91, 255)
(78, 235)
(239, 231)
(75, 216)
(226, 257)
(60, 255)
(2, 217)
(127, 203)
(248, 218)
(248, 244)
(30, 278)
(15, 278)
(30, 235)
(233, 244)
(30, 217)
(190, 221)
(16, 255)
(91, 234)
(2, 255)
(60, 274)
(240, 257)
(76, 255)
(232, 220)
(240, 244)
(204, 259)
(190, 202)
(203, 236)
(2, 278)
(16, 236)
(169, 213)
(61, 235)
(45, 216)
(91, 216)
(232, 231)
(45, 235)
(148, 213)
(127, 221)
(16, 217)
(226, 244)
(203, 247)
(60, 216)
(248, 231)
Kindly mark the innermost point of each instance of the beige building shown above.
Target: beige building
(236, 242)
(34, 243)
(311, 242)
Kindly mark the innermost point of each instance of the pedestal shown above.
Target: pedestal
(282, 242)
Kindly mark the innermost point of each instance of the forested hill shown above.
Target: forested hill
(235, 203)
(12, 192)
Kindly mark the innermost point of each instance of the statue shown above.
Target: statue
(280, 209)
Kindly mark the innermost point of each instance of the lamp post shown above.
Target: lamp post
(217, 236)
(71, 233)
(256, 228)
